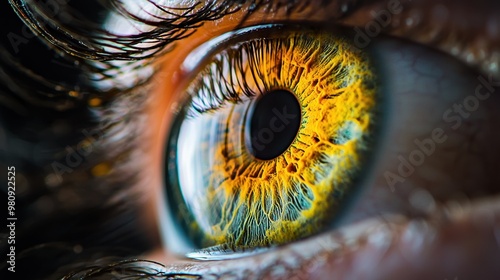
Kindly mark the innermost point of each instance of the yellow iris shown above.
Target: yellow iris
(239, 200)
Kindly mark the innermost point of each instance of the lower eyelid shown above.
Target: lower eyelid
(390, 247)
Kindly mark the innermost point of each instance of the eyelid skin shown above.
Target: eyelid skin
(449, 226)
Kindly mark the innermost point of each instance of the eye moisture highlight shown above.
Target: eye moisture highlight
(274, 133)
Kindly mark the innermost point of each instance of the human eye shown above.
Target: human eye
(263, 100)
(429, 184)
(431, 94)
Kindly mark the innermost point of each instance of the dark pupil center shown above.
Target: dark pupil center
(274, 123)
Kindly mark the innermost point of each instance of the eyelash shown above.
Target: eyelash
(102, 56)
(88, 42)
(86, 39)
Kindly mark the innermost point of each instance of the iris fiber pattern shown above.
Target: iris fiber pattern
(231, 198)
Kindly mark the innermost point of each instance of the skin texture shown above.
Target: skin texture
(437, 220)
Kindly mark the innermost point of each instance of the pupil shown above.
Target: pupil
(274, 123)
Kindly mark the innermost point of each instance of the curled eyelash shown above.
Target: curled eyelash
(216, 87)
(72, 32)
(79, 41)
